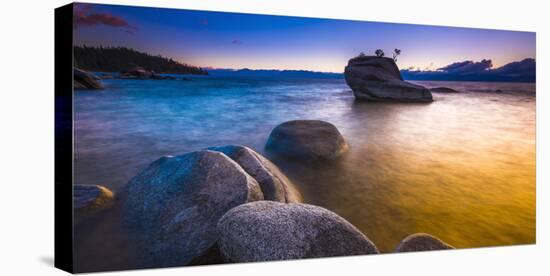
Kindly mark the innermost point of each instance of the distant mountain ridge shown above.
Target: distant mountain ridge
(517, 71)
(245, 72)
(121, 59)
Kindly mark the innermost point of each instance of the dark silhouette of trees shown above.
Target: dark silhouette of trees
(396, 52)
(379, 53)
(120, 59)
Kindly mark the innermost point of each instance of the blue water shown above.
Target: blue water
(461, 168)
(121, 129)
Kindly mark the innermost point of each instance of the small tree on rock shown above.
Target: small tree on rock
(396, 52)
(379, 53)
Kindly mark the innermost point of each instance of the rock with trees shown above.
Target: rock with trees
(377, 78)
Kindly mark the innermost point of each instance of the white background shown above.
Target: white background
(27, 135)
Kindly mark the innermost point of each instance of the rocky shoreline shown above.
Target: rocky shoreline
(84, 80)
(371, 78)
(231, 204)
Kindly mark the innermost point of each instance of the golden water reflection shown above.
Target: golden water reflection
(461, 168)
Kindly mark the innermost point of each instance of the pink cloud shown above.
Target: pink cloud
(85, 16)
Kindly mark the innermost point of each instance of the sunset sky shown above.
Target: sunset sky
(231, 40)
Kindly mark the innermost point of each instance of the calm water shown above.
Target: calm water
(461, 168)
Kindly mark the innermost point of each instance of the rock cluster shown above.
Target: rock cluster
(138, 72)
(173, 206)
(231, 204)
(86, 80)
(273, 183)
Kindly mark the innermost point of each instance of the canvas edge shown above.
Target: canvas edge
(64, 238)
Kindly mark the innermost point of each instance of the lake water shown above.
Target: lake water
(461, 168)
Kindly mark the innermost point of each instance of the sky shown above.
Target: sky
(233, 40)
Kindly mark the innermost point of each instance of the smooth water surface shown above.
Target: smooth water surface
(461, 168)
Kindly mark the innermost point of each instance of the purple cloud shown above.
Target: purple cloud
(520, 71)
(85, 16)
(468, 66)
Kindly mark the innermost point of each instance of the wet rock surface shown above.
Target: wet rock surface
(375, 78)
(443, 90)
(421, 242)
(274, 184)
(267, 230)
(89, 200)
(85, 80)
(307, 140)
(173, 206)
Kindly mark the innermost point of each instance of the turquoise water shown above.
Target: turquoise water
(121, 129)
(461, 168)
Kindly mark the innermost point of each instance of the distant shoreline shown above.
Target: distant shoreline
(314, 74)
(122, 59)
(115, 60)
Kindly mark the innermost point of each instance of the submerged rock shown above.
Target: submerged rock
(443, 90)
(307, 140)
(268, 230)
(375, 78)
(105, 76)
(161, 77)
(139, 72)
(274, 184)
(85, 80)
(89, 200)
(421, 242)
(173, 206)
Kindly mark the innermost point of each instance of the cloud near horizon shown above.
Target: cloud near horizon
(85, 16)
(467, 66)
(517, 71)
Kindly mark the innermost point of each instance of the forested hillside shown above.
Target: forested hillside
(120, 59)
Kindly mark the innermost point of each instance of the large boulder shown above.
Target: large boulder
(421, 242)
(307, 140)
(274, 184)
(173, 206)
(268, 230)
(375, 78)
(85, 80)
(89, 200)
